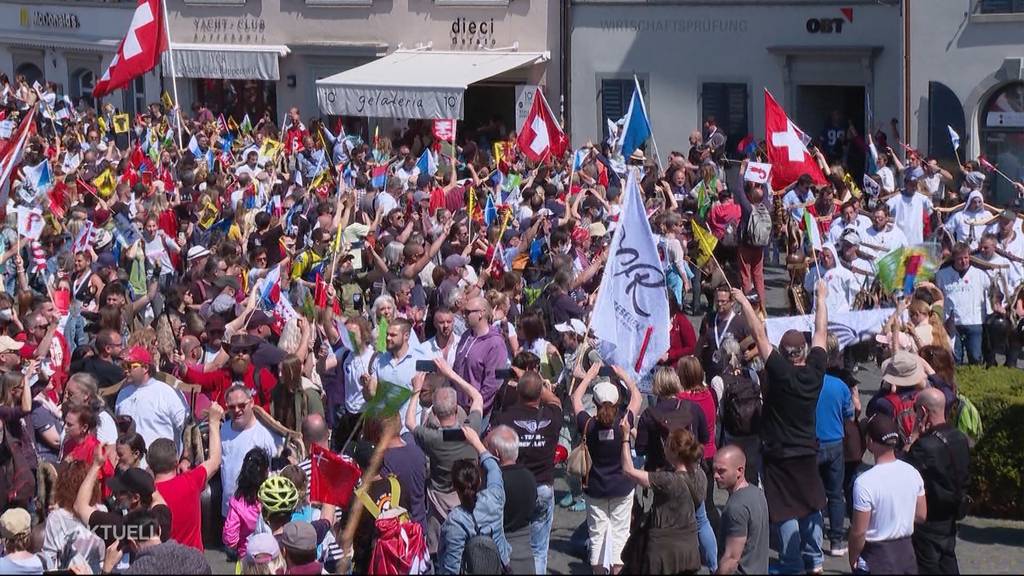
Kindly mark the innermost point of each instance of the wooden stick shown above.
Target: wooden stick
(348, 534)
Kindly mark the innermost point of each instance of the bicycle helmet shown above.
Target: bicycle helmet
(278, 494)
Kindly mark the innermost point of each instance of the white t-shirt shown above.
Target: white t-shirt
(235, 444)
(879, 244)
(908, 215)
(158, 410)
(842, 287)
(966, 296)
(889, 491)
(888, 179)
(967, 226)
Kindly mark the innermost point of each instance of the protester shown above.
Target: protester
(744, 518)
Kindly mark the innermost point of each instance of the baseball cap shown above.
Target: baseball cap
(882, 429)
(134, 480)
(573, 325)
(137, 354)
(262, 548)
(606, 392)
(197, 252)
(15, 522)
(792, 340)
(298, 536)
(598, 229)
(455, 261)
(8, 344)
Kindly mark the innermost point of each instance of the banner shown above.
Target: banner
(849, 327)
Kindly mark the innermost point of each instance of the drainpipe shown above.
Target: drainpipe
(565, 46)
(907, 137)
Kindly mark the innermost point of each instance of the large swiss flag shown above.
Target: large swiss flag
(139, 51)
(541, 135)
(787, 151)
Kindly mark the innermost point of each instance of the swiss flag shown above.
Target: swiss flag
(787, 152)
(139, 51)
(541, 135)
(332, 478)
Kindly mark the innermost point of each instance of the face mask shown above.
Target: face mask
(222, 303)
(6, 315)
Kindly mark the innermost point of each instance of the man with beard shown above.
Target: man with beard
(240, 369)
(882, 237)
(158, 410)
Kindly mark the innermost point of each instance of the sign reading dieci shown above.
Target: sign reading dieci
(49, 20)
(228, 30)
(467, 34)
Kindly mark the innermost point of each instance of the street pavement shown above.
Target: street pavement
(983, 545)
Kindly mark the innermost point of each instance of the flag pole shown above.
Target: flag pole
(174, 73)
(654, 141)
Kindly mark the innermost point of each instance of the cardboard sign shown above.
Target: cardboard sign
(758, 172)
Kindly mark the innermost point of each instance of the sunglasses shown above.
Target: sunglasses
(134, 365)
(237, 407)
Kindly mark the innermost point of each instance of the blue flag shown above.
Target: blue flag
(954, 138)
(427, 164)
(636, 129)
(490, 212)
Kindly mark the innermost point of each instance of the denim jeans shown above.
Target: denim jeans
(707, 540)
(540, 526)
(800, 544)
(831, 466)
(969, 340)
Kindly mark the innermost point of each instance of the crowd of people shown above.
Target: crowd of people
(211, 309)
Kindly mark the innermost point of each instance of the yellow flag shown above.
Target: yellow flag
(472, 197)
(208, 215)
(121, 123)
(103, 124)
(499, 151)
(706, 242)
(269, 151)
(232, 125)
(165, 99)
(105, 184)
(324, 177)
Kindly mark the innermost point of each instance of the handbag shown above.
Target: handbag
(579, 462)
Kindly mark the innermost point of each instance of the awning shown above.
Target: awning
(415, 83)
(81, 43)
(225, 61)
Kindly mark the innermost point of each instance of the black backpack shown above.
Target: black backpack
(741, 405)
(480, 554)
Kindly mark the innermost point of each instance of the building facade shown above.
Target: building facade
(695, 59)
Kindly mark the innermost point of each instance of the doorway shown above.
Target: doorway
(488, 113)
(826, 113)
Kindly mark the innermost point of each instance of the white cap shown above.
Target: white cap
(606, 392)
(573, 325)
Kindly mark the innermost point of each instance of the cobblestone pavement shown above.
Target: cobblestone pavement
(984, 545)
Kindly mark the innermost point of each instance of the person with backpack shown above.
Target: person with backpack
(740, 407)
(473, 536)
(903, 377)
(941, 454)
(755, 235)
(724, 221)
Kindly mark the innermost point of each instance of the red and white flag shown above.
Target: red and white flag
(139, 51)
(332, 478)
(12, 150)
(541, 135)
(986, 164)
(787, 152)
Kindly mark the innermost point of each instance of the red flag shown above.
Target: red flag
(787, 152)
(12, 149)
(541, 135)
(320, 292)
(140, 50)
(332, 478)
(986, 164)
(56, 196)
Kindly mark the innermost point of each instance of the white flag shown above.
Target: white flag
(30, 222)
(757, 172)
(631, 317)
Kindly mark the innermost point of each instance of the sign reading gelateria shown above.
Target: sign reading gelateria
(404, 102)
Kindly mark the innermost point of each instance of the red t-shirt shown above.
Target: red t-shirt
(182, 496)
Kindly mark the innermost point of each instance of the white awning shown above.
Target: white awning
(226, 61)
(415, 83)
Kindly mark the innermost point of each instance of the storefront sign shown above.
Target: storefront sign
(524, 99)
(1005, 120)
(229, 30)
(226, 65)
(405, 102)
(467, 34)
(830, 25)
(49, 20)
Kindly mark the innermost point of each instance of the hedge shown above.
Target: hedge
(997, 461)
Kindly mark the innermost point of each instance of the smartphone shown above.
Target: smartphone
(425, 366)
(606, 371)
(503, 373)
(453, 435)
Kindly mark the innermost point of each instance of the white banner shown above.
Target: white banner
(390, 102)
(224, 64)
(849, 327)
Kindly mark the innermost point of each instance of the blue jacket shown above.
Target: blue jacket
(489, 514)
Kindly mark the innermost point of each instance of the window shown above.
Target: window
(82, 82)
(31, 72)
(999, 7)
(135, 99)
(1002, 139)
(728, 104)
(615, 96)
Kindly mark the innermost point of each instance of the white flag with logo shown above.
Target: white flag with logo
(757, 172)
(30, 222)
(631, 317)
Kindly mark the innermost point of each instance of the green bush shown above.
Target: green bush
(997, 461)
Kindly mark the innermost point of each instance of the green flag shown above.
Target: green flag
(387, 400)
(382, 335)
(137, 277)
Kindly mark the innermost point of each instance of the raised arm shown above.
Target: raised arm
(639, 476)
(764, 346)
(83, 500)
(820, 336)
(582, 387)
(212, 462)
(414, 401)
(476, 400)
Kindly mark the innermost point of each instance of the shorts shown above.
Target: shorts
(608, 521)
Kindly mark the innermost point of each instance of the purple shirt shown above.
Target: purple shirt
(477, 358)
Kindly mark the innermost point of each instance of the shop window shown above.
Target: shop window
(727, 102)
(999, 7)
(1002, 138)
(82, 83)
(615, 96)
(236, 98)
